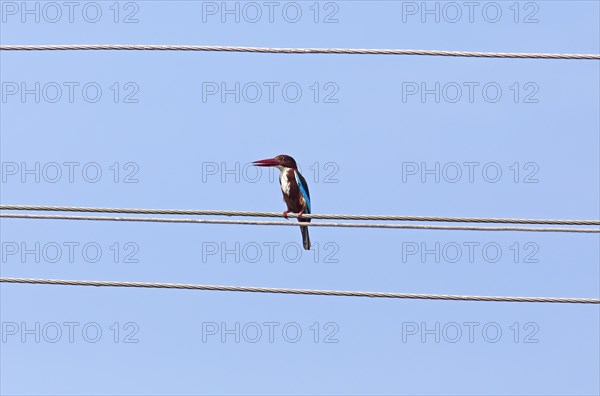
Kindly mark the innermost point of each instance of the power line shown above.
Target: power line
(573, 300)
(211, 48)
(294, 224)
(308, 216)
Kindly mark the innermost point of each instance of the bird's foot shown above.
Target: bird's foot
(285, 214)
(300, 214)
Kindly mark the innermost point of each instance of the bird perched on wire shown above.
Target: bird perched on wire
(294, 189)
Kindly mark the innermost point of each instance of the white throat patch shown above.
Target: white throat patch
(284, 180)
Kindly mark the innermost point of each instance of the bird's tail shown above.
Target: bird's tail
(305, 238)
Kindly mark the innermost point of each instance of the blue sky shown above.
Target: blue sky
(368, 140)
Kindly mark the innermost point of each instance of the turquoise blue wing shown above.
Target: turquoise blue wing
(303, 189)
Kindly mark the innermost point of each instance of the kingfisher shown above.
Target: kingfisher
(294, 188)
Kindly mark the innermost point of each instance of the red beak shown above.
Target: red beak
(266, 162)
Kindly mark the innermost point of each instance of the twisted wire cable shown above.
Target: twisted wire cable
(572, 300)
(354, 51)
(308, 216)
(294, 224)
